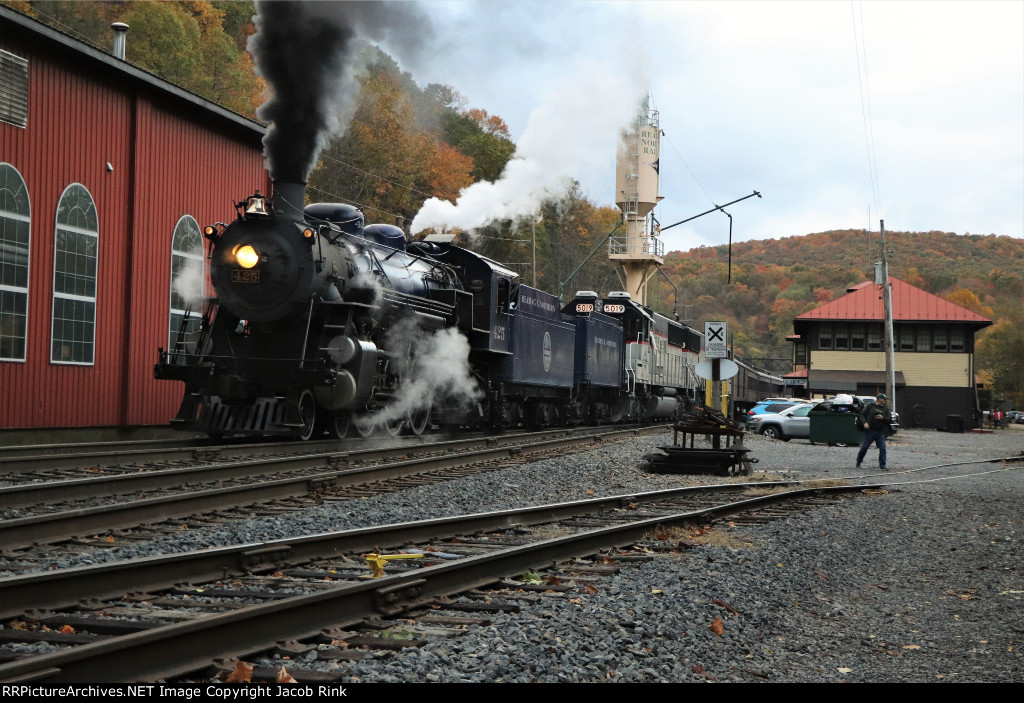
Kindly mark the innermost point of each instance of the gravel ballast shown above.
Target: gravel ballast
(919, 582)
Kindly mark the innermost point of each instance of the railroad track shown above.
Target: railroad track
(48, 511)
(49, 461)
(174, 616)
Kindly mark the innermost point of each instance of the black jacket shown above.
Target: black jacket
(879, 424)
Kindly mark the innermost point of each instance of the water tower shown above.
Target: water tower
(638, 251)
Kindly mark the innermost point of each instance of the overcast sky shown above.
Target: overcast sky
(767, 96)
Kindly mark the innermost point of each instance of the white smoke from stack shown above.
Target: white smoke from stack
(570, 134)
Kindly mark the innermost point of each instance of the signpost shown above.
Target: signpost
(714, 340)
(716, 349)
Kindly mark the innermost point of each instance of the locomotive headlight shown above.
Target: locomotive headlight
(246, 256)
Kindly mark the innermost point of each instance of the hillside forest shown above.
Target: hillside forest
(407, 143)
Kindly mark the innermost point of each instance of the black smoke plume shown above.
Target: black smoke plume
(308, 54)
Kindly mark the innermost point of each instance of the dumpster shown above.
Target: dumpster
(954, 423)
(835, 423)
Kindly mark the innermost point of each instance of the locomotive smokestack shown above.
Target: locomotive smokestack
(289, 199)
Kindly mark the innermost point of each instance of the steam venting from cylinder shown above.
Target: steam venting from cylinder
(308, 52)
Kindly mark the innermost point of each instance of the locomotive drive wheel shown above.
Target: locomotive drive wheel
(307, 413)
(338, 423)
(417, 421)
(393, 427)
(363, 425)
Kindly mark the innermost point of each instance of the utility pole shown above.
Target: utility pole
(890, 343)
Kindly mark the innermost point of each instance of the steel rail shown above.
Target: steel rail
(70, 523)
(67, 587)
(80, 456)
(174, 650)
(48, 492)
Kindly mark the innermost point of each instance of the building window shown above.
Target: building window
(800, 356)
(15, 220)
(956, 340)
(924, 339)
(874, 338)
(186, 278)
(842, 337)
(73, 339)
(857, 336)
(825, 337)
(939, 339)
(13, 90)
(907, 339)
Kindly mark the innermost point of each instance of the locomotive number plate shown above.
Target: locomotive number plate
(614, 308)
(245, 276)
(584, 307)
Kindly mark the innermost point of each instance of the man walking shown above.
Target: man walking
(875, 420)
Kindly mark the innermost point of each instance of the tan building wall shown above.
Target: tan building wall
(919, 369)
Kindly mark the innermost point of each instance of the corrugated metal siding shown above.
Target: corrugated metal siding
(78, 123)
(184, 168)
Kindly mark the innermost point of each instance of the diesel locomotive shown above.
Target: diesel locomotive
(320, 323)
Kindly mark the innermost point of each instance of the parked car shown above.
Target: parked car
(770, 405)
(785, 424)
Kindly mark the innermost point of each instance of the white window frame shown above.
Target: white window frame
(201, 258)
(18, 289)
(70, 296)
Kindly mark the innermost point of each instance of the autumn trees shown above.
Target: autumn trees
(198, 44)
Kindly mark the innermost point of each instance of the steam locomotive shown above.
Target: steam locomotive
(323, 324)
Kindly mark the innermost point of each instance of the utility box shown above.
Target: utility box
(835, 425)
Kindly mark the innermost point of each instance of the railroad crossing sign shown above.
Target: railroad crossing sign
(714, 340)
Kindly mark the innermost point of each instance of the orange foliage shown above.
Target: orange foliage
(450, 172)
(492, 124)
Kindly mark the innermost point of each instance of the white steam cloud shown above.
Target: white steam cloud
(435, 373)
(188, 282)
(571, 133)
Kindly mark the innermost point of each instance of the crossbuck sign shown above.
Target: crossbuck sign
(714, 340)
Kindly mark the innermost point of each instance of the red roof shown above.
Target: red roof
(909, 304)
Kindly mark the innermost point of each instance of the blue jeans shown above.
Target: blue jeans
(878, 438)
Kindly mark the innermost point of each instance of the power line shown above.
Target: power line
(865, 105)
(361, 206)
(696, 180)
(374, 175)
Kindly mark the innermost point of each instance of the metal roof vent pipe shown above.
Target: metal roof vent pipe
(120, 32)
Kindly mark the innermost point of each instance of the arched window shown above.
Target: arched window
(73, 340)
(186, 277)
(15, 220)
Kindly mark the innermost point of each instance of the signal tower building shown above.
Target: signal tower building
(638, 251)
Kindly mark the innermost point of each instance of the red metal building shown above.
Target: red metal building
(104, 168)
